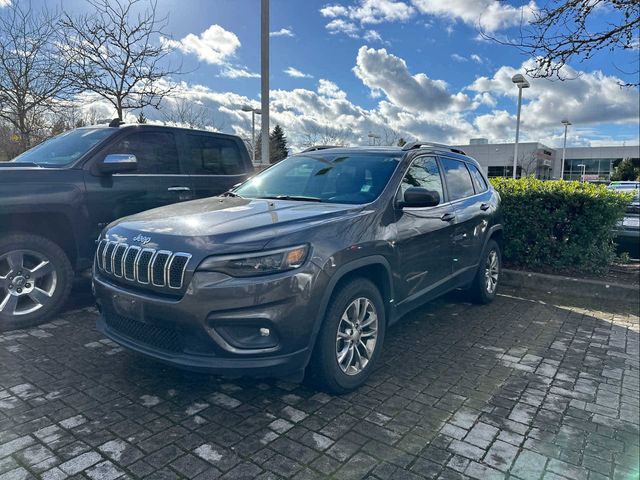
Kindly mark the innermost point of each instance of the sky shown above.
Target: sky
(417, 69)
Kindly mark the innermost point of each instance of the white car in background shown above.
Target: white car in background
(628, 230)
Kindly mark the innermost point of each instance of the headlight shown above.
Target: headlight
(254, 264)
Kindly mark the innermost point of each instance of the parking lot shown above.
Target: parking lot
(526, 387)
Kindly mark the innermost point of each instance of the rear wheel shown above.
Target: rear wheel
(35, 280)
(484, 286)
(350, 340)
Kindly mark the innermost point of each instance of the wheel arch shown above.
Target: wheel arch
(41, 224)
(375, 268)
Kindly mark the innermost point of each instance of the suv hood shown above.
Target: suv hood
(221, 224)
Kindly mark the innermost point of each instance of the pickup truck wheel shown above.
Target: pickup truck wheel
(35, 280)
(350, 340)
(484, 286)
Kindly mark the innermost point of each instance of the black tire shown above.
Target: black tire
(325, 370)
(56, 285)
(480, 290)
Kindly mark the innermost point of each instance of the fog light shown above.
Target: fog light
(265, 332)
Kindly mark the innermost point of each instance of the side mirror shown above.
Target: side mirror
(420, 197)
(118, 163)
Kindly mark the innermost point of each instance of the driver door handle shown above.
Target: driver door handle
(447, 217)
(179, 189)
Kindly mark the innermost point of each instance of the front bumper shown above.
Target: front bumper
(261, 326)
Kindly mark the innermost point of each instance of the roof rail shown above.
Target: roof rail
(116, 122)
(439, 146)
(319, 147)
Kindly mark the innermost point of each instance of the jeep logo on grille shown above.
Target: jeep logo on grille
(142, 239)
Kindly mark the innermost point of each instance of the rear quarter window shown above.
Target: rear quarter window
(209, 155)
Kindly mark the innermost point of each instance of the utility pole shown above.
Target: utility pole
(264, 78)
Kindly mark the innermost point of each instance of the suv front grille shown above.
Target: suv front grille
(161, 268)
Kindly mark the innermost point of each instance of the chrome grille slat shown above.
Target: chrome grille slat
(145, 266)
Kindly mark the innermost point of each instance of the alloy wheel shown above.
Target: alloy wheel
(357, 336)
(492, 271)
(28, 281)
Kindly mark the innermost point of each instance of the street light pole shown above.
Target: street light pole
(566, 124)
(253, 111)
(584, 171)
(521, 83)
(264, 77)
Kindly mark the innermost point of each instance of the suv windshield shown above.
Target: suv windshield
(65, 148)
(353, 179)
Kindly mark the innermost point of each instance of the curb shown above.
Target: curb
(570, 286)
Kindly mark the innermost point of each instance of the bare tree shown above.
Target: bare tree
(567, 31)
(528, 162)
(325, 135)
(33, 74)
(183, 112)
(113, 53)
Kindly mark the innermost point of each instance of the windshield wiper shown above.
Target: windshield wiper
(229, 193)
(301, 198)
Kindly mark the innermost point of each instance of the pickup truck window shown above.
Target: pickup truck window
(65, 148)
(209, 155)
(156, 152)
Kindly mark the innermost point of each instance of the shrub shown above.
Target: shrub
(559, 224)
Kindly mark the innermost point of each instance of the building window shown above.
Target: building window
(502, 171)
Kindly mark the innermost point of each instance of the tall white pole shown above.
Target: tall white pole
(264, 77)
(564, 151)
(253, 134)
(515, 153)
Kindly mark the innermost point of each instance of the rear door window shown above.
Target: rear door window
(459, 183)
(210, 155)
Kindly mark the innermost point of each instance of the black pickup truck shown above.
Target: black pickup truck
(57, 197)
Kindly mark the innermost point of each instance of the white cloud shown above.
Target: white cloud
(349, 20)
(419, 107)
(589, 98)
(476, 58)
(215, 45)
(339, 25)
(371, 11)
(294, 72)
(372, 36)
(490, 15)
(330, 89)
(458, 58)
(230, 71)
(384, 72)
(283, 32)
(5, 3)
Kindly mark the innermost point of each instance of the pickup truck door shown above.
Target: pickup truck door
(158, 180)
(214, 163)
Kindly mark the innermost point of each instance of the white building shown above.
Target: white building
(544, 162)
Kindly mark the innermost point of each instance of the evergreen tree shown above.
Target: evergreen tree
(141, 118)
(277, 145)
(627, 169)
(402, 142)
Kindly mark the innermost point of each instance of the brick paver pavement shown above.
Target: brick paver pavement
(524, 388)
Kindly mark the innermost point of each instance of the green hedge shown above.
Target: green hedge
(558, 224)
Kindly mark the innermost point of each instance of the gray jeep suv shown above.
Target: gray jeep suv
(303, 265)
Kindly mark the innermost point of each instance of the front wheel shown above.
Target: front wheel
(35, 280)
(350, 340)
(484, 286)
